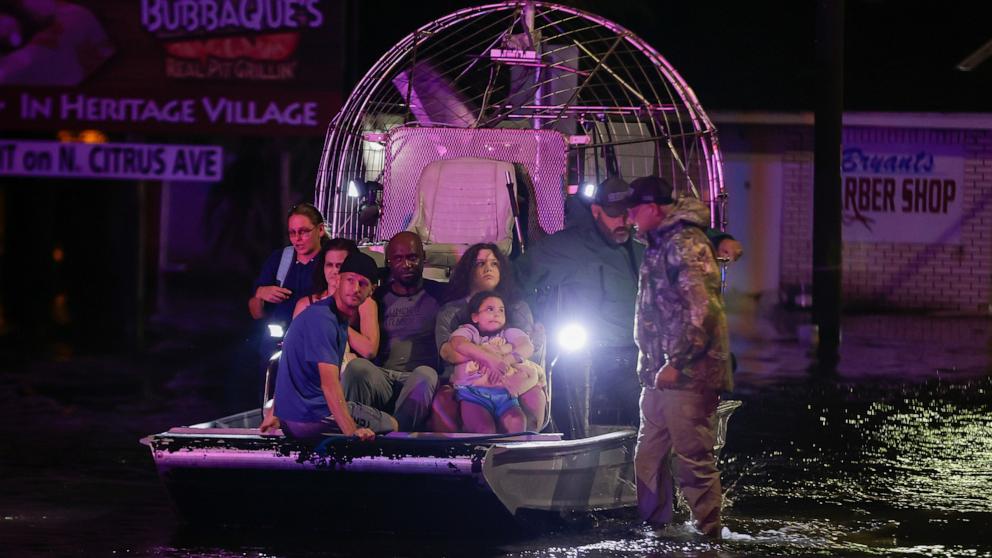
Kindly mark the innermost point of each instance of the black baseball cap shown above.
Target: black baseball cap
(359, 263)
(649, 189)
(611, 195)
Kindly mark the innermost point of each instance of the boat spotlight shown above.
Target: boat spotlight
(275, 330)
(572, 337)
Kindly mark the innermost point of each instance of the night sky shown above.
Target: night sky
(899, 56)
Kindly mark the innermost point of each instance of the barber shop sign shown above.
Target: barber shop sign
(898, 192)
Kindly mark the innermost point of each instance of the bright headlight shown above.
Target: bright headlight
(572, 337)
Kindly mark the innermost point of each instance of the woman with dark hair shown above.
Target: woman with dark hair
(363, 335)
(473, 273)
(483, 267)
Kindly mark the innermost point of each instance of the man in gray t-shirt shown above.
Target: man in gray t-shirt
(408, 326)
(403, 377)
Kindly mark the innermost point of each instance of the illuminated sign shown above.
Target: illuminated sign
(120, 161)
(263, 67)
(78, 108)
(208, 16)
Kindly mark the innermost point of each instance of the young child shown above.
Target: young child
(497, 372)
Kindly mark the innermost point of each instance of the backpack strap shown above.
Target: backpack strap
(284, 263)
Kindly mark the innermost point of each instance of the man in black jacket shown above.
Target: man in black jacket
(592, 267)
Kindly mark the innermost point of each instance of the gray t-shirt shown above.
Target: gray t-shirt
(408, 330)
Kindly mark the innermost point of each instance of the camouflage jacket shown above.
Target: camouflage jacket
(680, 316)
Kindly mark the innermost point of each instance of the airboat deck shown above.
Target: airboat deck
(226, 472)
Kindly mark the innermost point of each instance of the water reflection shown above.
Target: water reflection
(891, 454)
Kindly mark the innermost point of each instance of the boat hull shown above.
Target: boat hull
(225, 472)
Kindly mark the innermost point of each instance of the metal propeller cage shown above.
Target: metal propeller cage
(619, 106)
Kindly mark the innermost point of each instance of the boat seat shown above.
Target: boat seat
(461, 202)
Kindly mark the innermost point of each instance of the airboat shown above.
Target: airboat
(479, 126)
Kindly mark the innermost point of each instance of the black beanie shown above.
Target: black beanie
(361, 264)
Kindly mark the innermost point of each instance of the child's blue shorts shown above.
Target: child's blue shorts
(496, 400)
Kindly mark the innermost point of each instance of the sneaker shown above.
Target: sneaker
(364, 417)
(372, 418)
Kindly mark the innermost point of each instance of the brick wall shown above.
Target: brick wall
(797, 220)
(977, 233)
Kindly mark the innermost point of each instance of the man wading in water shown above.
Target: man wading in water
(684, 360)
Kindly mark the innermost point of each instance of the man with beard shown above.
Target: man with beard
(403, 378)
(684, 360)
(591, 266)
(309, 400)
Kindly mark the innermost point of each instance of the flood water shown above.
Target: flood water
(890, 455)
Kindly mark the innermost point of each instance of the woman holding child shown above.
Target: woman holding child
(482, 268)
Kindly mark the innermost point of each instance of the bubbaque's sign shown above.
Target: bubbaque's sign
(208, 16)
(254, 40)
(902, 193)
(207, 66)
(121, 161)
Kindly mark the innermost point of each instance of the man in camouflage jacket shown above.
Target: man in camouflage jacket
(594, 264)
(684, 360)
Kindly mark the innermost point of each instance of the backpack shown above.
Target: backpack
(284, 263)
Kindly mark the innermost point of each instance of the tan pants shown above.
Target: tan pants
(678, 422)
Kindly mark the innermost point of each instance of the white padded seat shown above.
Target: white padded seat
(461, 202)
